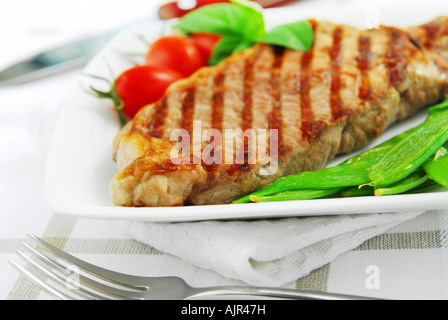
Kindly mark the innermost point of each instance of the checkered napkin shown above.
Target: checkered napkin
(265, 252)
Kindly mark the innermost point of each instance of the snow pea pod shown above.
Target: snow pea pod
(414, 180)
(377, 152)
(439, 107)
(411, 153)
(358, 192)
(437, 168)
(411, 182)
(425, 187)
(344, 175)
(297, 195)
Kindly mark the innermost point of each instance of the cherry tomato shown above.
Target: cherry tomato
(176, 52)
(142, 85)
(205, 43)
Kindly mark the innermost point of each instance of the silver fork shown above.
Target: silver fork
(69, 278)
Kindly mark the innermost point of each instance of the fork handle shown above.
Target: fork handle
(271, 293)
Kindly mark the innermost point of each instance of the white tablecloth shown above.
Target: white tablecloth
(406, 261)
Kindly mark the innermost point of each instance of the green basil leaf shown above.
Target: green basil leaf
(296, 36)
(252, 27)
(244, 44)
(251, 5)
(219, 18)
(228, 45)
(236, 18)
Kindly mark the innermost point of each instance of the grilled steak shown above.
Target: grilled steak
(333, 99)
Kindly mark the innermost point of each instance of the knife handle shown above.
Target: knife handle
(172, 10)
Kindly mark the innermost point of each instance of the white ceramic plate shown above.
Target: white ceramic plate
(80, 164)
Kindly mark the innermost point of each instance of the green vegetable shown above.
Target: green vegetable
(411, 153)
(236, 18)
(227, 45)
(377, 152)
(287, 36)
(411, 182)
(345, 175)
(296, 195)
(417, 182)
(426, 186)
(241, 25)
(358, 192)
(434, 110)
(437, 168)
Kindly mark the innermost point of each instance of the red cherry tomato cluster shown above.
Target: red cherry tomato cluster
(169, 59)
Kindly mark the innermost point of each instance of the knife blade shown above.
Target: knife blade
(58, 59)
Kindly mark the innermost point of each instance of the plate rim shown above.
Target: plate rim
(256, 211)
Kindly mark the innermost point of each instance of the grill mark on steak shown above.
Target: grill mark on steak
(394, 58)
(432, 33)
(307, 126)
(247, 112)
(305, 99)
(276, 115)
(233, 95)
(188, 110)
(335, 60)
(364, 67)
(248, 89)
(248, 76)
(290, 100)
(156, 127)
(218, 102)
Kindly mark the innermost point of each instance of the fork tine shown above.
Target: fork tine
(85, 281)
(58, 279)
(53, 291)
(133, 282)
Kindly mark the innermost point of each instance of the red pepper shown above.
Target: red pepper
(171, 10)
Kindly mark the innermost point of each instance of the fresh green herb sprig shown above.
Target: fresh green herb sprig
(241, 24)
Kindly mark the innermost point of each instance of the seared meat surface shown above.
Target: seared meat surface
(333, 99)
